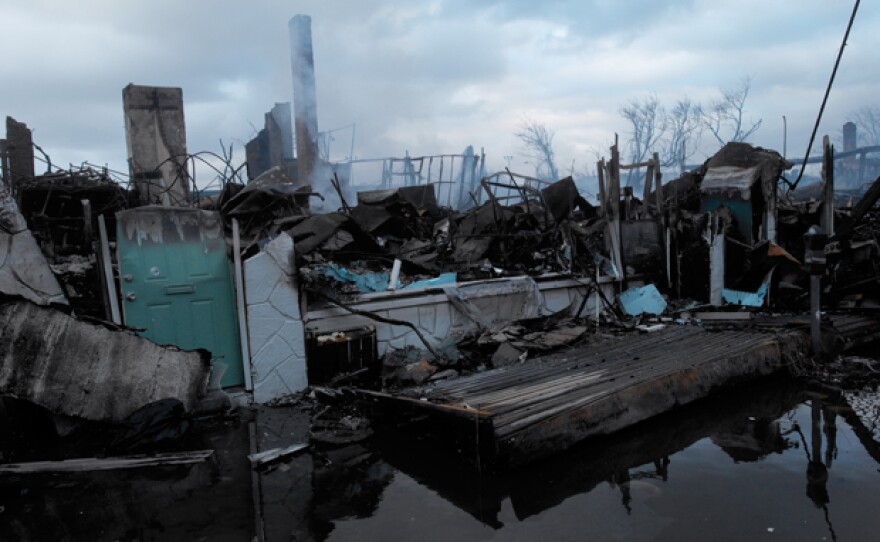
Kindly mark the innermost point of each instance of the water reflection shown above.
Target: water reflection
(823, 423)
(347, 483)
(731, 467)
(746, 430)
(210, 500)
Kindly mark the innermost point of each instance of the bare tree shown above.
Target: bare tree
(725, 116)
(538, 142)
(867, 118)
(648, 123)
(684, 127)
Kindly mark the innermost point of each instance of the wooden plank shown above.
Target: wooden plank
(548, 367)
(716, 269)
(614, 213)
(240, 307)
(89, 464)
(635, 165)
(647, 369)
(619, 367)
(275, 454)
(107, 269)
(718, 315)
(455, 410)
(601, 387)
(827, 218)
(649, 180)
(635, 403)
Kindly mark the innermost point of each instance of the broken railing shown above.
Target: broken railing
(853, 168)
(454, 175)
(504, 186)
(632, 213)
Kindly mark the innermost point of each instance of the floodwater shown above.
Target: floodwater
(768, 462)
(772, 461)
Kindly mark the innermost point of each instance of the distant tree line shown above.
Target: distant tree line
(675, 133)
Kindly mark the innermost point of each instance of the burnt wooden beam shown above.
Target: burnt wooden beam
(860, 210)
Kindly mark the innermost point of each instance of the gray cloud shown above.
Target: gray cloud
(428, 77)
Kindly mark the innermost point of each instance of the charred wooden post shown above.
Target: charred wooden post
(18, 161)
(827, 222)
(861, 209)
(614, 212)
(716, 261)
(661, 219)
(4, 163)
(649, 178)
(814, 259)
(305, 105)
(770, 212)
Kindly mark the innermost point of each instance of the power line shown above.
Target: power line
(827, 92)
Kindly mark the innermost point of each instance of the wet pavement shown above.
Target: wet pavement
(779, 460)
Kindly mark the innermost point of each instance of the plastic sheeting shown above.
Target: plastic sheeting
(644, 300)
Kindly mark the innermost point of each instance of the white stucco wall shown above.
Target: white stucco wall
(275, 324)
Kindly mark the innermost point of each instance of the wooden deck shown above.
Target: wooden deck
(516, 414)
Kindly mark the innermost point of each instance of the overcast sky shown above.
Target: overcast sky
(430, 77)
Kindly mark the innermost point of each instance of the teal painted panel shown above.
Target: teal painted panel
(177, 285)
(741, 210)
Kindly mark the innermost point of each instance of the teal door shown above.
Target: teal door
(176, 283)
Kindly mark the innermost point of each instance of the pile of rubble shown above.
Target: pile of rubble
(354, 250)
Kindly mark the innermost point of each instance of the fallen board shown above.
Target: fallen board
(89, 464)
(516, 414)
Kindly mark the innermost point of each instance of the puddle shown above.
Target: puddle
(772, 461)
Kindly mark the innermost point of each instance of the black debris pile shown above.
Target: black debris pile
(547, 231)
(400, 220)
(262, 205)
(854, 255)
(521, 340)
(331, 237)
(339, 420)
(490, 349)
(407, 367)
(684, 193)
(62, 210)
(157, 427)
(551, 230)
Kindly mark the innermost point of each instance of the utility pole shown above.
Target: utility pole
(784, 136)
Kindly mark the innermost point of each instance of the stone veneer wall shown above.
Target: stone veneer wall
(275, 323)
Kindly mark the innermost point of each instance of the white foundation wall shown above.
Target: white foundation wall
(277, 329)
(275, 325)
(499, 301)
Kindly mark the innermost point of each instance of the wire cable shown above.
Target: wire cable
(825, 99)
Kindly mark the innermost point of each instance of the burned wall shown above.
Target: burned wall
(79, 369)
(24, 271)
(155, 134)
(19, 148)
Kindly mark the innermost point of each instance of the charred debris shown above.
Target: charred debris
(421, 278)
